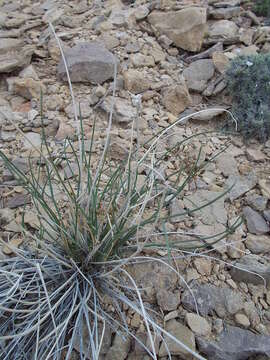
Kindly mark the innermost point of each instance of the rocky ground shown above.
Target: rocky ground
(174, 53)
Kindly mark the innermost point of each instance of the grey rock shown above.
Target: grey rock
(119, 349)
(227, 164)
(207, 114)
(266, 215)
(225, 13)
(21, 164)
(223, 29)
(32, 140)
(9, 44)
(16, 59)
(235, 344)
(257, 202)
(123, 112)
(213, 213)
(18, 200)
(85, 337)
(198, 73)
(251, 269)
(168, 300)
(242, 184)
(83, 109)
(176, 207)
(258, 244)
(228, 3)
(212, 299)
(255, 222)
(88, 62)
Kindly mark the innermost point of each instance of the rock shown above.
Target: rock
(176, 98)
(207, 114)
(235, 344)
(54, 50)
(16, 59)
(9, 44)
(258, 244)
(14, 243)
(225, 13)
(212, 299)
(255, 155)
(29, 72)
(220, 61)
(198, 73)
(211, 214)
(198, 324)
(242, 320)
(17, 201)
(186, 28)
(176, 208)
(203, 266)
(141, 12)
(21, 163)
(27, 88)
(140, 60)
(136, 81)
(227, 164)
(241, 185)
(6, 216)
(83, 108)
(124, 112)
(266, 215)
(257, 202)
(88, 62)
(31, 140)
(119, 349)
(265, 187)
(82, 340)
(167, 300)
(255, 222)
(223, 30)
(181, 333)
(251, 269)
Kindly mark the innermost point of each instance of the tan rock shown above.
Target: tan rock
(14, 243)
(242, 320)
(176, 98)
(186, 27)
(135, 81)
(181, 333)
(28, 88)
(198, 324)
(220, 61)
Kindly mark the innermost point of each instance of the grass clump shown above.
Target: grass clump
(262, 8)
(249, 85)
(52, 294)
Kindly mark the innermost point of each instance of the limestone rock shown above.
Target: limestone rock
(235, 344)
(198, 73)
(258, 244)
(176, 98)
(181, 333)
(119, 349)
(88, 62)
(221, 61)
(186, 28)
(255, 222)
